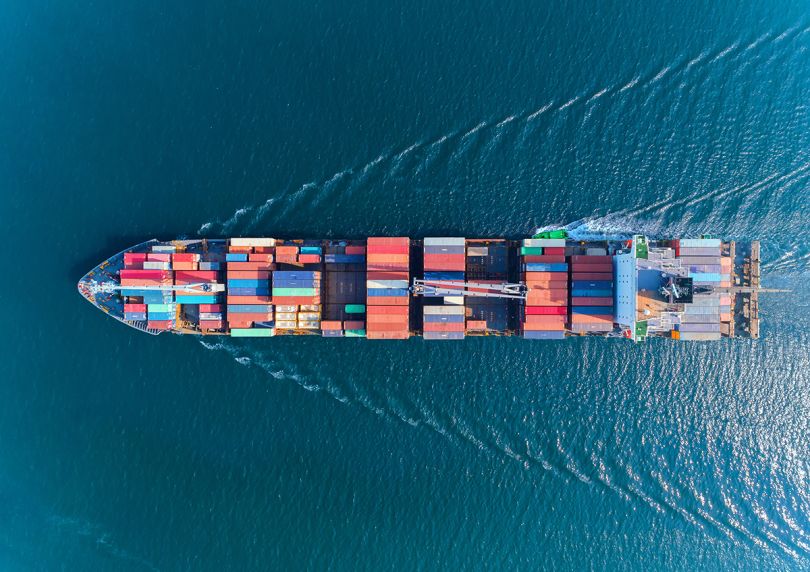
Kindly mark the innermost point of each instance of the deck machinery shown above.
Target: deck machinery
(683, 289)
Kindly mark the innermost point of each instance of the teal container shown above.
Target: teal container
(355, 308)
(252, 332)
(295, 291)
(160, 308)
(180, 299)
(354, 333)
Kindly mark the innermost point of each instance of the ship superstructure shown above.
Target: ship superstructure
(440, 288)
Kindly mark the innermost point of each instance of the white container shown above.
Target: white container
(444, 241)
(454, 300)
(253, 242)
(387, 284)
(550, 242)
(477, 251)
(443, 310)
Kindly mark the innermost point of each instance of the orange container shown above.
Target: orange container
(386, 301)
(387, 310)
(544, 319)
(387, 258)
(331, 325)
(476, 325)
(387, 249)
(376, 240)
(286, 250)
(539, 327)
(385, 327)
(309, 258)
(389, 275)
(253, 317)
(249, 266)
(242, 249)
(296, 300)
(443, 326)
(264, 249)
(387, 319)
(586, 319)
(210, 324)
(388, 335)
(260, 257)
(541, 298)
(184, 266)
(552, 276)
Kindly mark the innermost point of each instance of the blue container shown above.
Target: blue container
(310, 250)
(544, 335)
(246, 283)
(591, 293)
(209, 266)
(249, 291)
(593, 310)
(332, 333)
(444, 276)
(160, 315)
(236, 257)
(294, 274)
(345, 258)
(546, 267)
(454, 318)
(195, 299)
(443, 335)
(706, 276)
(387, 291)
(249, 308)
(155, 297)
(135, 316)
(599, 285)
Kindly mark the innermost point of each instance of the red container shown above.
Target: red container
(387, 258)
(134, 308)
(390, 267)
(554, 250)
(147, 274)
(159, 256)
(286, 250)
(582, 267)
(284, 259)
(254, 274)
(189, 276)
(546, 310)
(263, 249)
(383, 327)
(144, 282)
(588, 259)
(443, 327)
(387, 310)
(399, 249)
(185, 257)
(250, 265)
(552, 276)
(592, 301)
(252, 316)
(373, 319)
(248, 300)
(385, 301)
(355, 250)
(257, 257)
(211, 324)
(544, 319)
(543, 298)
(592, 276)
(547, 258)
(476, 325)
(240, 249)
(390, 275)
(239, 323)
(211, 308)
(354, 325)
(159, 324)
(309, 258)
(134, 256)
(552, 290)
(331, 325)
(378, 240)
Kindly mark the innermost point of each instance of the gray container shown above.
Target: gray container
(700, 336)
(443, 335)
(700, 328)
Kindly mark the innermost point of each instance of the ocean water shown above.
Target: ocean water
(123, 121)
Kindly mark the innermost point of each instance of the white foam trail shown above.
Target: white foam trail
(568, 103)
(474, 129)
(205, 227)
(632, 83)
(598, 94)
(758, 41)
(509, 119)
(725, 52)
(540, 111)
(661, 74)
(786, 33)
(697, 60)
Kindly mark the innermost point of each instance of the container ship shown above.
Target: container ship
(547, 287)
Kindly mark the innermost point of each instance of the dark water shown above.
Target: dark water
(122, 121)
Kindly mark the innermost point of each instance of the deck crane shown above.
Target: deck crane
(462, 288)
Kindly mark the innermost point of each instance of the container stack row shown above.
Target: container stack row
(344, 290)
(704, 262)
(348, 254)
(592, 293)
(387, 281)
(445, 259)
(700, 320)
(250, 312)
(142, 275)
(545, 273)
(297, 296)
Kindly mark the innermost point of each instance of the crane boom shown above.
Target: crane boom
(462, 288)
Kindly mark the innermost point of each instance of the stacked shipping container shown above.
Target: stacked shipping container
(444, 259)
(298, 294)
(545, 273)
(702, 258)
(591, 293)
(387, 281)
(250, 262)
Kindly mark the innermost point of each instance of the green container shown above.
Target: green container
(252, 332)
(355, 308)
(354, 333)
(160, 308)
(295, 291)
(531, 250)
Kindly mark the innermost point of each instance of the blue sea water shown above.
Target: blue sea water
(123, 121)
